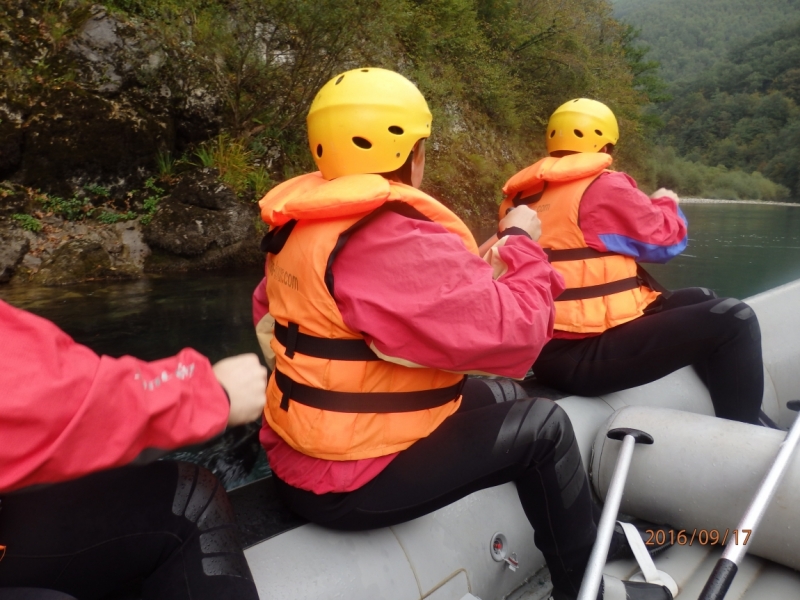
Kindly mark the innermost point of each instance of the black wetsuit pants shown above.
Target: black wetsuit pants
(495, 437)
(167, 526)
(719, 336)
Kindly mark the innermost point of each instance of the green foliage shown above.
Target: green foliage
(165, 163)
(689, 37)
(645, 71)
(98, 190)
(27, 222)
(236, 165)
(744, 113)
(260, 182)
(109, 218)
(72, 209)
(150, 203)
(150, 184)
(36, 37)
(696, 180)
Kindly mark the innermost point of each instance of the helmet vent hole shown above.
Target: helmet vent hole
(553, 133)
(578, 133)
(598, 132)
(338, 81)
(362, 143)
(396, 130)
(365, 70)
(319, 150)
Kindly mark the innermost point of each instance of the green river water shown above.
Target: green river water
(735, 249)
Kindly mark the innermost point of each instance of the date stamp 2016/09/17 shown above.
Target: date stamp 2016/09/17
(704, 537)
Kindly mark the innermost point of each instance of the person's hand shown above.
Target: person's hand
(487, 245)
(525, 218)
(665, 193)
(245, 380)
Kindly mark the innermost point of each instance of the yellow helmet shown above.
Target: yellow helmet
(581, 125)
(366, 121)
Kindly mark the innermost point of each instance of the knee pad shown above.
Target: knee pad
(531, 420)
(201, 499)
(504, 390)
(740, 315)
(535, 420)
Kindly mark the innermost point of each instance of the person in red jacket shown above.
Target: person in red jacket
(375, 301)
(615, 328)
(75, 516)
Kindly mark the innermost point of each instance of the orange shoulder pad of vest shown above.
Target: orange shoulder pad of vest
(433, 209)
(313, 197)
(566, 168)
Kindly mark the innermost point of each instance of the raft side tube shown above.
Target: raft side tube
(700, 475)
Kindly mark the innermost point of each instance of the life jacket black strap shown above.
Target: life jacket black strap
(649, 281)
(596, 291)
(275, 239)
(528, 200)
(318, 347)
(360, 402)
(576, 254)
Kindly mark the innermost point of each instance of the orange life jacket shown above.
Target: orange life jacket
(604, 289)
(331, 396)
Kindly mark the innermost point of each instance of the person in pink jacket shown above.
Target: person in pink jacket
(604, 341)
(76, 515)
(416, 295)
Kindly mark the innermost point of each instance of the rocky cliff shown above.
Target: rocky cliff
(90, 104)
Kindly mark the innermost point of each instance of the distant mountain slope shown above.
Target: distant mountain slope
(690, 36)
(743, 113)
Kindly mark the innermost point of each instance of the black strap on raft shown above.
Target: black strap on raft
(276, 238)
(364, 402)
(294, 341)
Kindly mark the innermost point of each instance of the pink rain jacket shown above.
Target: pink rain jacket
(66, 412)
(417, 294)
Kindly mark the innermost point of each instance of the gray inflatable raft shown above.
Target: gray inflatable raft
(698, 476)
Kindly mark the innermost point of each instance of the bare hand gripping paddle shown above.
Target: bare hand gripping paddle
(725, 570)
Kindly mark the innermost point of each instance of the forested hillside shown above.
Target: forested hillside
(724, 121)
(743, 113)
(690, 36)
(492, 71)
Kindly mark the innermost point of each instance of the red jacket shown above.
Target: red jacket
(65, 412)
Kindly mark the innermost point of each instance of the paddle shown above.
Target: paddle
(605, 529)
(725, 570)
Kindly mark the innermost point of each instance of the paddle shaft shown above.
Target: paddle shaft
(605, 529)
(725, 570)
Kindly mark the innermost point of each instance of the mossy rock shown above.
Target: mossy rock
(14, 199)
(76, 261)
(13, 246)
(75, 136)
